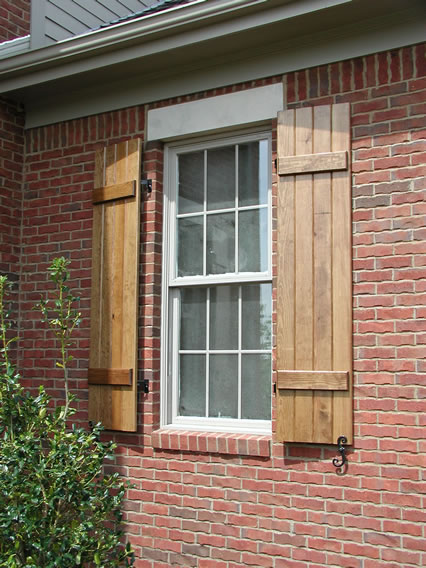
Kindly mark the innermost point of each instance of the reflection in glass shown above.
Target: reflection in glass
(192, 385)
(253, 173)
(223, 386)
(193, 318)
(191, 182)
(256, 316)
(220, 243)
(190, 246)
(224, 317)
(253, 240)
(221, 178)
(256, 386)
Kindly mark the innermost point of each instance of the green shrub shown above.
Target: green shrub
(57, 508)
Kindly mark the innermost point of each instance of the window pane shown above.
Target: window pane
(253, 173)
(191, 182)
(224, 317)
(220, 243)
(221, 178)
(253, 240)
(192, 385)
(193, 318)
(223, 386)
(190, 246)
(256, 316)
(256, 387)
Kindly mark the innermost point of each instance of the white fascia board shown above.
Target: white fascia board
(138, 38)
(232, 110)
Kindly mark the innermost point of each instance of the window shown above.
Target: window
(217, 291)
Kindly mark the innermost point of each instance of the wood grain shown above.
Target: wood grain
(110, 376)
(313, 380)
(314, 293)
(311, 163)
(322, 418)
(113, 192)
(342, 275)
(285, 275)
(303, 305)
(115, 272)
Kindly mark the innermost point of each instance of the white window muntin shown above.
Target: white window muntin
(172, 283)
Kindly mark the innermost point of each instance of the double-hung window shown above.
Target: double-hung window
(217, 291)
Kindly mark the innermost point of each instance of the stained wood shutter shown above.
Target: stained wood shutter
(314, 276)
(114, 300)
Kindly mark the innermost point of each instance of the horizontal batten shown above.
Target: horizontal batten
(311, 163)
(121, 377)
(313, 380)
(116, 191)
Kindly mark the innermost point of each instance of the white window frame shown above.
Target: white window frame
(170, 305)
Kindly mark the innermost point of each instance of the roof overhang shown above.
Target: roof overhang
(201, 45)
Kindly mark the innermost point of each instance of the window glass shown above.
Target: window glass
(193, 318)
(190, 246)
(221, 243)
(192, 385)
(191, 182)
(223, 386)
(224, 317)
(221, 178)
(253, 240)
(253, 173)
(256, 316)
(256, 386)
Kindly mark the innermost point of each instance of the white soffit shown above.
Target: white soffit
(224, 111)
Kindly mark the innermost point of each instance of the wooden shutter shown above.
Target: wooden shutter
(314, 276)
(114, 300)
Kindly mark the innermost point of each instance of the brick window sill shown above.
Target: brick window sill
(212, 442)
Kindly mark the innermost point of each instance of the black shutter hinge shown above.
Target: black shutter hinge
(146, 185)
(144, 384)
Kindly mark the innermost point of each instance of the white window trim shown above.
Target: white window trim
(168, 388)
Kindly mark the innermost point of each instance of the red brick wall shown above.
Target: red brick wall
(216, 509)
(11, 178)
(14, 19)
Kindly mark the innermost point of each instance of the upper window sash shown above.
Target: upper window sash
(174, 279)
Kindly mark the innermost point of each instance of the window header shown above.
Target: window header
(249, 107)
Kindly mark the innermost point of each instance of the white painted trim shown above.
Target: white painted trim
(234, 110)
(14, 46)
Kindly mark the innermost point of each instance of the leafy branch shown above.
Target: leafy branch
(62, 319)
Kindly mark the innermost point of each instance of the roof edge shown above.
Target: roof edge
(28, 67)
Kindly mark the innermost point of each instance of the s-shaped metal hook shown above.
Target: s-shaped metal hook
(339, 464)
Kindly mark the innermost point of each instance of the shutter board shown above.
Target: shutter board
(308, 163)
(114, 300)
(116, 191)
(110, 376)
(313, 380)
(314, 277)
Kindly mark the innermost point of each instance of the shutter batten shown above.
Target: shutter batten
(116, 191)
(114, 303)
(314, 290)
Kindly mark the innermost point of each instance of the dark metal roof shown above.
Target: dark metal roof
(160, 6)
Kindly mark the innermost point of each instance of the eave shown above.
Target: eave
(201, 45)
